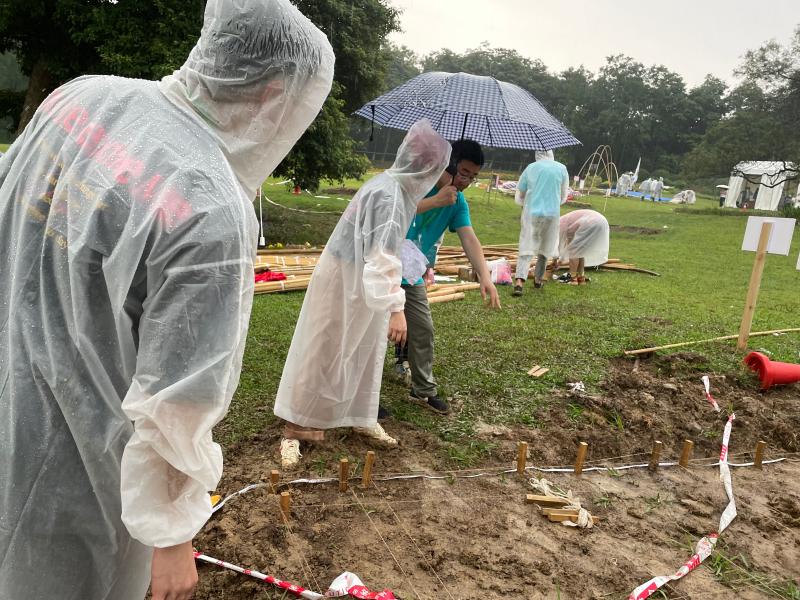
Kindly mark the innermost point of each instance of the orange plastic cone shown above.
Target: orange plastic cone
(771, 372)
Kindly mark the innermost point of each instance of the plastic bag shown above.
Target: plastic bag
(500, 271)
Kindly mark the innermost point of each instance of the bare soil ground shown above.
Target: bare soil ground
(465, 538)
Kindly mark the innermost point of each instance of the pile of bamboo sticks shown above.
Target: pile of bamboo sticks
(298, 266)
(452, 260)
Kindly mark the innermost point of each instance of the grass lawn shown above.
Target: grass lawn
(482, 356)
(4, 147)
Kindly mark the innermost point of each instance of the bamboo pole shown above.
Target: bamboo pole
(716, 339)
(522, 457)
(286, 502)
(760, 447)
(582, 448)
(655, 455)
(755, 286)
(686, 453)
(344, 474)
(274, 478)
(448, 298)
(366, 478)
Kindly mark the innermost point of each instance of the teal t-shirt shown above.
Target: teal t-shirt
(427, 228)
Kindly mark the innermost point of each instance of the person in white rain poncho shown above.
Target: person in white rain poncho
(332, 375)
(583, 241)
(542, 189)
(128, 238)
(657, 188)
(624, 184)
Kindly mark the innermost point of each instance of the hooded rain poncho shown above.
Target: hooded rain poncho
(332, 375)
(128, 237)
(584, 234)
(542, 189)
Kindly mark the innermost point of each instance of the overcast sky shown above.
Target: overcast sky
(690, 37)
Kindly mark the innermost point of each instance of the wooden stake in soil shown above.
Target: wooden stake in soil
(522, 457)
(655, 455)
(686, 453)
(760, 447)
(344, 474)
(286, 502)
(582, 448)
(366, 479)
(755, 285)
(274, 478)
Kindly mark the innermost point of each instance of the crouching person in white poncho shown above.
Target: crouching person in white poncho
(332, 375)
(583, 241)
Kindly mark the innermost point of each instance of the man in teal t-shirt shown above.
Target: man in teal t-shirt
(444, 208)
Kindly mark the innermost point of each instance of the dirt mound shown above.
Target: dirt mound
(475, 538)
(636, 230)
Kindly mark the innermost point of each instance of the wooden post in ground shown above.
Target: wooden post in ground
(344, 474)
(582, 448)
(286, 501)
(686, 453)
(755, 285)
(760, 447)
(522, 457)
(274, 478)
(366, 478)
(655, 455)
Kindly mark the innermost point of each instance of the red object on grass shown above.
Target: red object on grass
(772, 372)
(267, 276)
(296, 190)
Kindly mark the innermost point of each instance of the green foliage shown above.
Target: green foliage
(325, 150)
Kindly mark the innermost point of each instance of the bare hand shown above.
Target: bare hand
(489, 294)
(397, 328)
(429, 277)
(447, 196)
(173, 573)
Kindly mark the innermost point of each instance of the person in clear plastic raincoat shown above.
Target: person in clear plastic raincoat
(583, 241)
(128, 238)
(657, 188)
(542, 189)
(623, 184)
(332, 374)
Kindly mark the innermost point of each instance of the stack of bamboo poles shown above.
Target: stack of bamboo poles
(451, 260)
(298, 265)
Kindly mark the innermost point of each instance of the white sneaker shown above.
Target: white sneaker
(376, 432)
(290, 453)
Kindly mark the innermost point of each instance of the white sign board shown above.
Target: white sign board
(780, 239)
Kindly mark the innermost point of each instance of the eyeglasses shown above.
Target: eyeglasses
(466, 175)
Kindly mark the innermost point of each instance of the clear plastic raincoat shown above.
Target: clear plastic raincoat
(126, 273)
(584, 234)
(542, 189)
(332, 375)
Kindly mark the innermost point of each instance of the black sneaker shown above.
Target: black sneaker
(383, 413)
(517, 290)
(565, 278)
(433, 403)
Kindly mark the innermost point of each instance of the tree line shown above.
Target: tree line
(688, 135)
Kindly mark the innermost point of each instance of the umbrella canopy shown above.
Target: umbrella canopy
(459, 105)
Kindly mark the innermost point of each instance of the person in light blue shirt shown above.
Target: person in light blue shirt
(444, 209)
(542, 189)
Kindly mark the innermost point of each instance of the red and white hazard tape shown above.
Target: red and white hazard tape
(706, 545)
(709, 397)
(346, 584)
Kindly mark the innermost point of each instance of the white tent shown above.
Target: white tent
(767, 173)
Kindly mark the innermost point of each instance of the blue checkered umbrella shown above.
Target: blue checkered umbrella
(459, 105)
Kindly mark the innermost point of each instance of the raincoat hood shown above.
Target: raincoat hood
(544, 155)
(420, 161)
(258, 77)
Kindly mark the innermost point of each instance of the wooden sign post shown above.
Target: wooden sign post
(755, 285)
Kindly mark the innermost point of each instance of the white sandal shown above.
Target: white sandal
(290, 453)
(376, 432)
